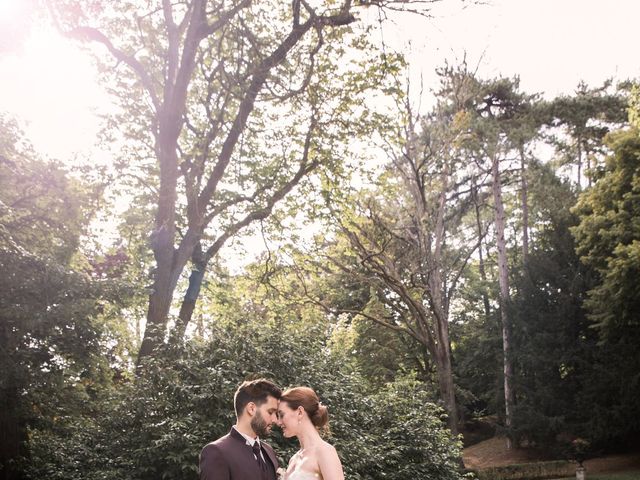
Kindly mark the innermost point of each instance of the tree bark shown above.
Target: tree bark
(169, 265)
(445, 377)
(524, 197)
(505, 299)
(481, 266)
(579, 145)
(199, 265)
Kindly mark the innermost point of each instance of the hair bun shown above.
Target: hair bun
(320, 417)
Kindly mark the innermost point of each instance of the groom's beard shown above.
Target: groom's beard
(259, 426)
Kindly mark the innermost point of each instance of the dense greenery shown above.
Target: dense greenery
(185, 401)
(57, 347)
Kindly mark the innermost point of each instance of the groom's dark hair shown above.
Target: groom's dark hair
(255, 391)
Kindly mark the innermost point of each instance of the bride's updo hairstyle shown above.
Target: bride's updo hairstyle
(306, 398)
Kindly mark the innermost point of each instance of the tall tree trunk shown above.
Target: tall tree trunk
(587, 155)
(446, 386)
(441, 342)
(505, 299)
(579, 163)
(524, 197)
(438, 297)
(481, 266)
(162, 242)
(199, 265)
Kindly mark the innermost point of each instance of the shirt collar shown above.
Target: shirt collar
(250, 441)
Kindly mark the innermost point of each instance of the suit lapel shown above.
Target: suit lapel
(242, 447)
(271, 454)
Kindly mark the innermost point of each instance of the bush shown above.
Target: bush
(156, 427)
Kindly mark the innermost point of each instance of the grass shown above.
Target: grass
(631, 475)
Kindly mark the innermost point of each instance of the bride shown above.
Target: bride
(301, 415)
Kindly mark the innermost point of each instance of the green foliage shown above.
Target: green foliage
(608, 236)
(380, 354)
(569, 383)
(156, 427)
(634, 106)
(477, 353)
(410, 434)
(607, 403)
(583, 120)
(528, 471)
(552, 339)
(42, 210)
(56, 344)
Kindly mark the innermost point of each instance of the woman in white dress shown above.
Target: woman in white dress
(301, 415)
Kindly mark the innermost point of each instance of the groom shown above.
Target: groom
(241, 454)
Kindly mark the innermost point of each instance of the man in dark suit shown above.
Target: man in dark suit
(241, 454)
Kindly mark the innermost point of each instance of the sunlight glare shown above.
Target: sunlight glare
(15, 17)
(8, 8)
(51, 85)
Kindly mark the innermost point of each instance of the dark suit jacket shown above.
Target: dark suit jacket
(230, 458)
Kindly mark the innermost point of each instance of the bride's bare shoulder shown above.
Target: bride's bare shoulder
(325, 447)
(327, 453)
(329, 462)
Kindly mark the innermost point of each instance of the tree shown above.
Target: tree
(500, 122)
(634, 106)
(552, 339)
(52, 312)
(608, 236)
(228, 100)
(584, 119)
(575, 380)
(405, 238)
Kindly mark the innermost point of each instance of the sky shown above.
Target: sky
(52, 87)
(550, 44)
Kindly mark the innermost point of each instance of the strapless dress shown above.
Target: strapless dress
(302, 475)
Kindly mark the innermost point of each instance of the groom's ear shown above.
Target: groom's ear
(251, 408)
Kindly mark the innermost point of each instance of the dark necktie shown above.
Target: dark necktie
(256, 452)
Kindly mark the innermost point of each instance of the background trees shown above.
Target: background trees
(608, 240)
(608, 237)
(235, 104)
(457, 271)
(56, 347)
(402, 237)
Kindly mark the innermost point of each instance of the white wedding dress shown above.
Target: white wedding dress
(298, 473)
(302, 475)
